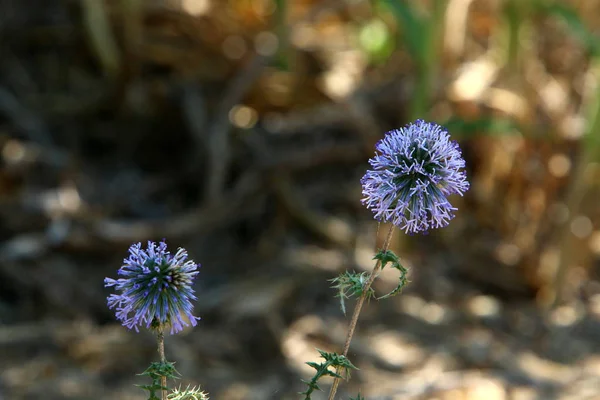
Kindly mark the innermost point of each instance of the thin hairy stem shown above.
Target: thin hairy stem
(358, 308)
(161, 352)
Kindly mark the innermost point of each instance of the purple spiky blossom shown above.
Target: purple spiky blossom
(155, 288)
(415, 168)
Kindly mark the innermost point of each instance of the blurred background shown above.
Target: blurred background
(239, 129)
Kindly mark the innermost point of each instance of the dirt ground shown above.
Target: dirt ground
(242, 135)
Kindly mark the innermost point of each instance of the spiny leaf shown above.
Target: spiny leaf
(387, 257)
(156, 371)
(188, 394)
(313, 364)
(350, 284)
(402, 282)
(333, 360)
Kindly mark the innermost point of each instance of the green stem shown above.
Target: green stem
(358, 308)
(513, 18)
(163, 360)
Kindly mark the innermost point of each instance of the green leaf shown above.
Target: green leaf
(332, 360)
(350, 284)
(313, 364)
(386, 257)
(493, 126)
(156, 371)
(575, 24)
(402, 282)
(413, 27)
(188, 393)
(389, 257)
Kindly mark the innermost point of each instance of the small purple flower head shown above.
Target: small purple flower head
(414, 169)
(155, 288)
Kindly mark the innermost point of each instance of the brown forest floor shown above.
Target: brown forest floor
(187, 127)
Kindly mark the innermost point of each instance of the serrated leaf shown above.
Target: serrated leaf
(334, 374)
(332, 360)
(386, 257)
(350, 284)
(402, 282)
(389, 256)
(313, 364)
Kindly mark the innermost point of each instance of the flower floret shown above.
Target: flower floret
(155, 288)
(413, 171)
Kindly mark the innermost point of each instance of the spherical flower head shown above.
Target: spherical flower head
(415, 168)
(155, 290)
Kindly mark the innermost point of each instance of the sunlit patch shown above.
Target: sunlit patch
(243, 116)
(582, 226)
(565, 316)
(595, 242)
(196, 7)
(559, 165)
(483, 306)
(266, 43)
(433, 313)
(234, 47)
(508, 253)
(13, 151)
(395, 350)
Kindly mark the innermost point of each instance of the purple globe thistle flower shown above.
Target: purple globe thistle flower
(414, 169)
(155, 290)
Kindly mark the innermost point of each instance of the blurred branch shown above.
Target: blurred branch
(574, 22)
(132, 17)
(27, 121)
(100, 34)
(202, 219)
(589, 152)
(218, 131)
(328, 228)
(195, 112)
